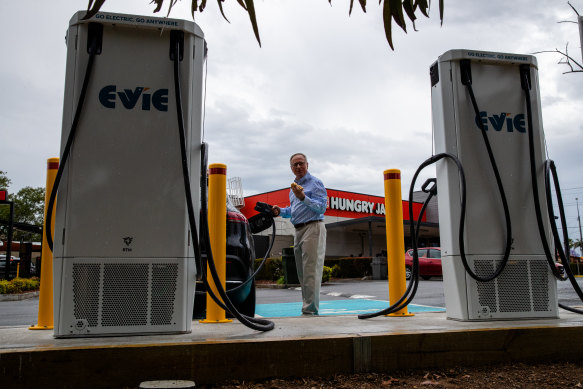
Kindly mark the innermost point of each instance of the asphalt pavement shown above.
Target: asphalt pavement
(430, 293)
(19, 312)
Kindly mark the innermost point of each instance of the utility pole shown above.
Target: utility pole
(4, 200)
(580, 236)
(580, 20)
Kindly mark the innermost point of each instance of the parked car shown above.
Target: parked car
(240, 262)
(560, 268)
(13, 264)
(429, 262)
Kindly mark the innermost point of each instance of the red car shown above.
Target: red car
(429, 262)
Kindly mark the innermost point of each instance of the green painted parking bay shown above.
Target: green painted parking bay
(336, 307)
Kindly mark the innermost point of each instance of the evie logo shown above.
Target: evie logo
(130, 98)
(503, 121)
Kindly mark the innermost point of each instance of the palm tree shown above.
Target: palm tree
(392, 10)
(575, 244)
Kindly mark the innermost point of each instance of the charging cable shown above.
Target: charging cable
(257, 324)
(466, 79)
(525, 82)
(95, 31)
(253, 323)
(264, 212)
(411, 290)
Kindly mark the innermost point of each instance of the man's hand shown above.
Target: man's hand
(298, 191)
(275, 210)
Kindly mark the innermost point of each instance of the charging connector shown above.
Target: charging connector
(263, 220)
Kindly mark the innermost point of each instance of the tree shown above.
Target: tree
(4, 180)
(574, 66)
(4, 209)
(575, 244)
(392, 10)
(28, 208)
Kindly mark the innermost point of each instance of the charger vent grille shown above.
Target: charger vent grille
(86, 279)
(486, 290)
(163, 293)
(540, 276)
(523, 286)
(514, 292)
(125, 295)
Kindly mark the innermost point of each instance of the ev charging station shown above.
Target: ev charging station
(123, 258)
(526, 287)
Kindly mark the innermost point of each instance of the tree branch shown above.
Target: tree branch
(573, 8)
(567, 59)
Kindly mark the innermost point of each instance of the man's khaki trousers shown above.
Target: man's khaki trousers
(309, 252)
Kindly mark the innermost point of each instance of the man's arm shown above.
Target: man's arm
(317, 202)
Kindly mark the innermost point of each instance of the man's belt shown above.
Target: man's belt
(300, 225)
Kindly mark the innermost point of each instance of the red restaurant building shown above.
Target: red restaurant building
(355, 223)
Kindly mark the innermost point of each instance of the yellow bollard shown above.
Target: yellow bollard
(18, 270)
(45, 303)
(395, 239)
(217, 215)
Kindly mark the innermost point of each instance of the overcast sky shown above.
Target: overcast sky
(322, 83)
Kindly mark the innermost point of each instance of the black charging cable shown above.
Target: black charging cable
(525, 82)
(257, 324)
(253, 323)
(410, 292)
(551, 169)
(466, 79)
(413, 284)
(261, 264)
(95, 31)
(264, 259)
(226, 304)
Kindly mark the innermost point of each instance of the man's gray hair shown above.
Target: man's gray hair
(302, 154)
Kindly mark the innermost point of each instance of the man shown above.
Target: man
(308, 199)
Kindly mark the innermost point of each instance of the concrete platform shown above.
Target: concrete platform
(298, 346)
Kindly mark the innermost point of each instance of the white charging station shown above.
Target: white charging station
(526, 288)
(123, 258)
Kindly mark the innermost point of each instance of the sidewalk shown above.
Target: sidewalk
(298, 346)
(18, 296)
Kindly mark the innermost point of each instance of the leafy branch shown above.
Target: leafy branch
(393, 10)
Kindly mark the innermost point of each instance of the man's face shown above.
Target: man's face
(299, 166)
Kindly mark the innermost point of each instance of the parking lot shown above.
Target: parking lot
(430, 293)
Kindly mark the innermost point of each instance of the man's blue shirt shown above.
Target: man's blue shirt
(314, 204)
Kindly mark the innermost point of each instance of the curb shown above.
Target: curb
(275, 286)
(65, 365)
(19, 296)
